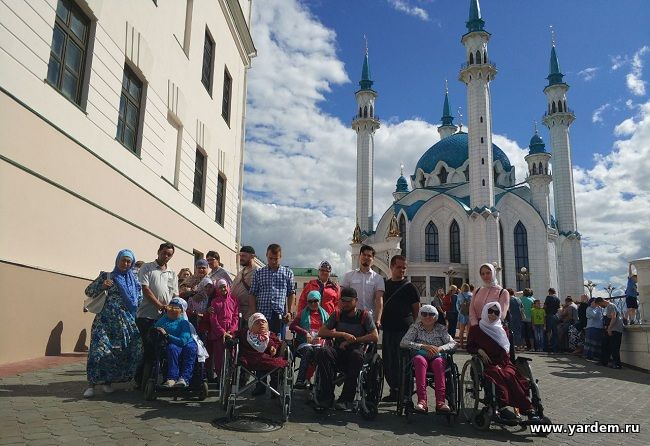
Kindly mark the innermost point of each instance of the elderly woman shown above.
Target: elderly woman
(491, 291)
(489, 340)
(115, 343)
(427, 339)
(199, 282)
(260, 350)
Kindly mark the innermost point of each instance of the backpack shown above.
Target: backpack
(464, 308)
(337, 316)
(475, 293)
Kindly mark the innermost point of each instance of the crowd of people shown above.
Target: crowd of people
(198, 311)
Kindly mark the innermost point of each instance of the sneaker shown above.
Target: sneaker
(169, 383)
(180, 383)
(89, 393)
(617, 367)
(390, 398)
(507, 414)
(343, 405)
(107, 388)
(260, 389)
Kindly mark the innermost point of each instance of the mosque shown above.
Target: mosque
(462, 206)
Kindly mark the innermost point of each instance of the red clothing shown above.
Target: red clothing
(254, 360)
(330, 295)
(315, 322)
(511, 388)
(446, 302)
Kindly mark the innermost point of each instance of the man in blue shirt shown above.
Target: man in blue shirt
(631, 296)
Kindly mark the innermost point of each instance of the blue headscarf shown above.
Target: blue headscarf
(126, 282)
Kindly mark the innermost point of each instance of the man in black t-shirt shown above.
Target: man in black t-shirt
(401, 308)
(551, 306)
(350, 328)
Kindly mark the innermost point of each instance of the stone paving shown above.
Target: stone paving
(46, 407)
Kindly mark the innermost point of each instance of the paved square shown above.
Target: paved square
(46, 407)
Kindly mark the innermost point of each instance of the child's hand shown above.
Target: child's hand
(161, 330)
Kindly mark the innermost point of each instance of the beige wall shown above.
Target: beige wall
(45, 313)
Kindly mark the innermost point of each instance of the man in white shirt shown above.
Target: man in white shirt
(368, 284)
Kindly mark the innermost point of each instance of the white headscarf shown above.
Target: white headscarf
(427, 309)
(259, 341)
(494, 281)
(494, 329)
(202, 352)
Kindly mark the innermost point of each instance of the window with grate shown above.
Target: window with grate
(65, 69)
(128, 121)
(221, 199)
(227, 96)
(208, 62)
(454, 242)
(431, 245)
(199, 179)
(521, 256)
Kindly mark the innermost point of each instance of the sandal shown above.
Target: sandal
(421, 407)
(442, 408)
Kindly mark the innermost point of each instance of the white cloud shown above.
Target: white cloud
(635, 84)
(597, 116)
(405, 7)
(618, 61)
(588, 73)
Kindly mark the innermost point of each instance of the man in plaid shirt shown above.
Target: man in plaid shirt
(272, 290)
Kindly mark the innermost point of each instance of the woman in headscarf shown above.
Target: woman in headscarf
(115, 342)
(259, 350)
(306, 326)
(224, 322)
(427, 339)
(491, 291)
(199, 282)
(490, 341)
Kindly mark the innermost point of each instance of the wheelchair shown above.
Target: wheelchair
(233, 370)
(479, 401)
(154, 377)
(405, 404)
(370, 385)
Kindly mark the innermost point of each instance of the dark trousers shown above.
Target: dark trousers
(551, 344)
(611, 347)
(452, 319)
(390, 352)
(149, 354)
(527, 333)
(349, 360)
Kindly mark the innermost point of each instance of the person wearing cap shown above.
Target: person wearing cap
(241, 286)
(159, 286)
(426, 339)
(217, 272)
(350, 328)
(182, 349)
(306, 326)
(368, 284)
(329, 291)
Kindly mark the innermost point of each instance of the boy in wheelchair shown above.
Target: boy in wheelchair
(350, 329)
(490, 342)
(427, 340)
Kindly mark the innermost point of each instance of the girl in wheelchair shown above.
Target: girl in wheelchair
(490, 341)
(427, 340)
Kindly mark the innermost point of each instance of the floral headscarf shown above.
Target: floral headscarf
(126, 282)
(259, 341)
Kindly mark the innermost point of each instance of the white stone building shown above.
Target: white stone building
(122, 125)
(463, 207)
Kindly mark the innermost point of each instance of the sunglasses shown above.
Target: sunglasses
(494, 312)
(426, 314)
(313, 301)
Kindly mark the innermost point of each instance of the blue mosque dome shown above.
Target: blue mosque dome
(402, 185)
(453, 150)
(536, 144)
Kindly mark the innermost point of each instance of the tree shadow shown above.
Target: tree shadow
(81, 346)
(53, 347)
(579, 368)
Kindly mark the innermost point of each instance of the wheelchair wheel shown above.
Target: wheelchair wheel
(483, 419)
(150, 390)
(203, 391)
(315, 393)
(369, 410)
(286, 408)
(471, 390)
(543, 420)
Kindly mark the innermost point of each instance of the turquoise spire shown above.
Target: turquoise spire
(365, 83)
(475, 22)
(554, 74)
(447, 118)
(402, 185)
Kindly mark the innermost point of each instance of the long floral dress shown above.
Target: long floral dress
(115, 342)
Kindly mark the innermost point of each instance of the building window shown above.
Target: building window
(227, 96)
(466, 172)
(221, 199)
(128, 122)
(402, 233)
(208, 62)
(442, 176)
(436, 283)
(521, 255)
(431, 245)
(65, 70)
(199, 179)
(454, 242)
(420, 283)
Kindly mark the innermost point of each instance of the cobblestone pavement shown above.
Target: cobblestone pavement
(46, 407)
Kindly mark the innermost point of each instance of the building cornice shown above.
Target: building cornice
(239, 29)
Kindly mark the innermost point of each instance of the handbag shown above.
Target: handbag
(95, 304)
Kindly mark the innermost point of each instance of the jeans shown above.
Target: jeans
(551, 328)
(538, 330)
(527, 332)
(180, 361)
(437, 365)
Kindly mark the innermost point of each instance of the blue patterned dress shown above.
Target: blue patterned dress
(115, 342)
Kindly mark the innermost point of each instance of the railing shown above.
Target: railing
(375, 117)
(568, 110)
(621, 306)
(467, 65)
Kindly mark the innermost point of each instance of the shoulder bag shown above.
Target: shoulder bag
(96, 303)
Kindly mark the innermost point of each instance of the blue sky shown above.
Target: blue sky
(300, 152)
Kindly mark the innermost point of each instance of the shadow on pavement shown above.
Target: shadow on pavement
(579, 368)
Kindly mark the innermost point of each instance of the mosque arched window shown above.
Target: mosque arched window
(454, 242)
(360, 112)
(546, 169)
(553, 109)
(559, 106)
(402, 232)
(365, 111)
(371, 111)
(541, 169)
(478, 57)
(484, 57)
(521, 256)
(442, 176)
(466, 172)
(471, 58)
(534, 172)
(431, 243)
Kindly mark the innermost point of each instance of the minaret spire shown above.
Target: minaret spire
(366, 82)
(475, 22)
(555, 76)
(447, 126)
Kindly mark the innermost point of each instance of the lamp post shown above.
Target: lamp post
(610, 289)
(450, 273)
(498, 269)
(590, 287)
(524, 275)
